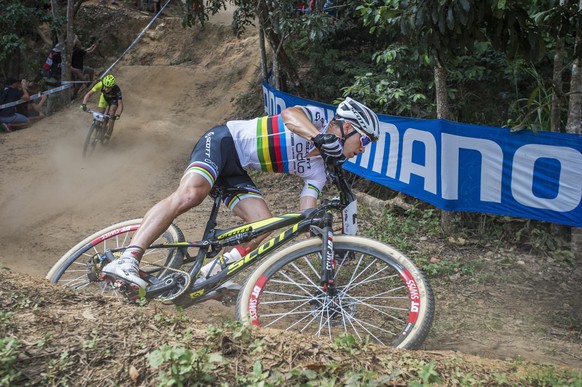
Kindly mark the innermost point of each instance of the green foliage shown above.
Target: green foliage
(427, 374)
(441, 268)
(9, 349)
(19, 21)
(10, 44)
(44, 341)
(533, 112)
(350, 344)
(199, 11)
(174, 319)
(179, 366)
(526, 233)
(548, 376)
(243, 16)
(56, 367)
(338, 52)
(388, 94)
(237, 330)
(22, 301)
(5, 318)
(256, 378)
(418, 219)
(557, 19)
(91, 343)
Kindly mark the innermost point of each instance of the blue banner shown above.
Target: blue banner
(462, 167)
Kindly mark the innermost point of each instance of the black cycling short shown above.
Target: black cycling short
(215, 158)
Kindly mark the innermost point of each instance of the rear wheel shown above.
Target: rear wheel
(80, 267)
(381, 294)
(91, 139)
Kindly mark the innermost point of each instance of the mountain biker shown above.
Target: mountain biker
(110, 95)
(297, 141)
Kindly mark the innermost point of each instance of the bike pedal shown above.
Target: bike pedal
(129, 290)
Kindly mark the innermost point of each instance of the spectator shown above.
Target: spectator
(156, 6)
(79, 71)
(329, 8)
(51, 69)
(33, 108)
(9, 118)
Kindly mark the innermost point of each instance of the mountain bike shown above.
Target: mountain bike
(329, 283)
(99, 131)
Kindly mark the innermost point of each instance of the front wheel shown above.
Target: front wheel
(380, 294)
(106, 132)
(81, 266)
(91, 139)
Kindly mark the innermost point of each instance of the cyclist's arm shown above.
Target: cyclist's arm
(299, 123)
(87, 96)
(119, 107)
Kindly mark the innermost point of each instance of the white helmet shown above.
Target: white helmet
(361, 116)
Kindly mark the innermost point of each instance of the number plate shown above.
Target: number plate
(98, 116)
(350, 218)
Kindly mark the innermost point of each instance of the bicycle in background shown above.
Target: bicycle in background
(99, 131)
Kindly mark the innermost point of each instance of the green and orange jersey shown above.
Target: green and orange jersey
(266, 144)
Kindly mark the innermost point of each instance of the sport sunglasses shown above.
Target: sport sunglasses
(364, 139)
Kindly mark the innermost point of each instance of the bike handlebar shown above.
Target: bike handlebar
(98, 115)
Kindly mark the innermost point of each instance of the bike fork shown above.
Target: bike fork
(327, 257)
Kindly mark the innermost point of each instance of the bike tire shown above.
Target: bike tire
(105, 134)
(77, 269)
(91, 139)
(382, 295)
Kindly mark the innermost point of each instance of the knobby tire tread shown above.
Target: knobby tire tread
(90, 140)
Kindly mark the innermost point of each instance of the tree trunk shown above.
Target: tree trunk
(557, 82)
(263, 51)
(56, 101)
(276, 43)
(276, 76)
(66, 68)
(574, 124)
(441, 88)
(448, 218)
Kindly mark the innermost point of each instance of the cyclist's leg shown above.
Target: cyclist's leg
(252, 209)
(191, 192)
(205, 162)
(112, 111)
